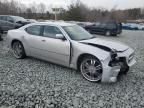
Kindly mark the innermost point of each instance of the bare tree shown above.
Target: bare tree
(41, 9)
(76, 11)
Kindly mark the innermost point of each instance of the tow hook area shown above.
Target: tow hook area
(121, 62)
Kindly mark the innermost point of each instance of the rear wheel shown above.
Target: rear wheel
(91, 69)
(1, 35)
(18, 50)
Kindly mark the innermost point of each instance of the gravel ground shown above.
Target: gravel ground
(32, 83)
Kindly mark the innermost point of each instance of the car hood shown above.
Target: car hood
(105, 44)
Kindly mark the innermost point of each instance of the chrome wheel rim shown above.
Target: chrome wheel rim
(107, 33)
(17, 50)
(91, 69)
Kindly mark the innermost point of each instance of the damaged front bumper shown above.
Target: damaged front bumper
(110, 73)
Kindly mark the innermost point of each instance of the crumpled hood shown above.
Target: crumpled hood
(106, 43)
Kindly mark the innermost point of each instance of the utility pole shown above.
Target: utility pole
(56, 11)
(55, 16)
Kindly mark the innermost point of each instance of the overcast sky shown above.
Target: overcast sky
(109, 4)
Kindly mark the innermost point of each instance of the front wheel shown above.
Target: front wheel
(18, 50)
(91, 69)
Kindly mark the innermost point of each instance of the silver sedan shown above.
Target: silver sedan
(72, 46)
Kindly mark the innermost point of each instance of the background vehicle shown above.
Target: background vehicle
(84, 24)
(5, 26)
(31, 20)
(133, 26)
(141, 26)
(14, 19)
(72, 46)
(105, 28)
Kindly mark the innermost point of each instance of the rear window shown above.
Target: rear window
(34, 30)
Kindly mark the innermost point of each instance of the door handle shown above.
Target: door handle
(43, 40)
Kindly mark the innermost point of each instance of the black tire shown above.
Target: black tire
(124, 71)
(93, 72)
(114, 35)
(1, 35)
(124, 68)
(19, 45)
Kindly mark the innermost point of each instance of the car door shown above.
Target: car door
(95, 27)
(55, 50)
(32, 38)
(43, 44)
(4, 26)
(103, 27)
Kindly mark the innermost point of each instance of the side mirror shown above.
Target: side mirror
(60, 36)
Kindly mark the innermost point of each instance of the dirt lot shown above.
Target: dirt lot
(32, 83)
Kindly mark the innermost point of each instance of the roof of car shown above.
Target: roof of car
(55, 23)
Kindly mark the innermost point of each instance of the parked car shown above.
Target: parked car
(130, 26)
(141, 26)
(106, 28)
(31, 20)
(72, 46)
(84, 24)
(5, 26)
(14, 19)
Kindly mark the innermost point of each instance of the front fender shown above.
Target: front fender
(81, 49)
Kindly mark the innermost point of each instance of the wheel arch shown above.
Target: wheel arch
(81, 57)
(16, 40)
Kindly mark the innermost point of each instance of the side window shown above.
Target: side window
(9, 19)
(51, 31)
(34, 30)
(111, 25)
(97, 24)
(103, 25)
(3, 23)
(3, 18)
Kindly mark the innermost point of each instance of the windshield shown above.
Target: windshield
(77, 33)
(17, 18)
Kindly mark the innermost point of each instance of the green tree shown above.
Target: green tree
(74, 12)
